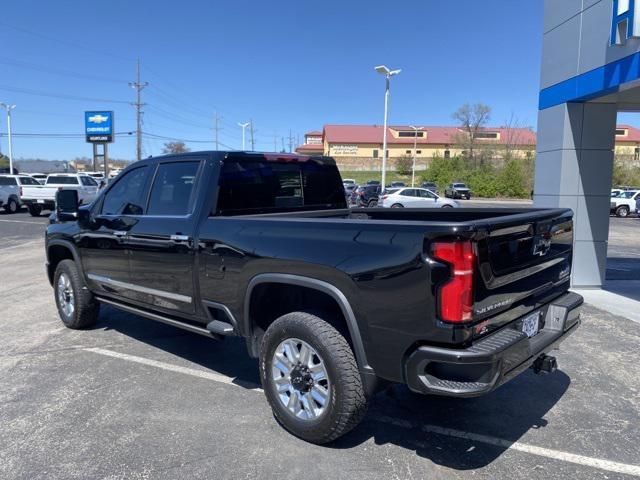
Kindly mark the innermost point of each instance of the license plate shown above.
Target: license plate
(40, 201)
(530, 324)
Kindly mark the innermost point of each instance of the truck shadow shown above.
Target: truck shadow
(462, 434)
(433, 427)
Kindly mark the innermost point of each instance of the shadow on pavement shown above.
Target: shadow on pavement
(396, 415)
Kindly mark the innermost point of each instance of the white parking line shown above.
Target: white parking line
(599, 463)
(21, 221)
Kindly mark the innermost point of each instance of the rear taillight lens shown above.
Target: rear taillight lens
(455, 297)
(384, 197)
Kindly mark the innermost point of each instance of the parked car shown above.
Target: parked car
(366, 196)
(350, 181)
(373, 182)
(348, 190)
(414, 198)
(396, 185)
(40, 177)
(42, 197)
(313, 288)
(431, 186)
(12, 190)
(624, 203)
(457, 190)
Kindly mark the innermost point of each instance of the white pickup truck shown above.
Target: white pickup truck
(11, 189)
(43, 197)
(624, 203)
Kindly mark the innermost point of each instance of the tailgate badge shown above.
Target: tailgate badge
(542, 245)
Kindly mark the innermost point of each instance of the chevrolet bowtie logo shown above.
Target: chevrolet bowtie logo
(98, 118)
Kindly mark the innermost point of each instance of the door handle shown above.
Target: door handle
(181, 239)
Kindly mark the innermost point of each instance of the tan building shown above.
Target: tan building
(359, 147)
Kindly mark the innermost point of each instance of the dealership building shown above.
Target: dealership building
(590, 72)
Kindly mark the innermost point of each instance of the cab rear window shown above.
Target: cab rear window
(7, 181)
(59, 180)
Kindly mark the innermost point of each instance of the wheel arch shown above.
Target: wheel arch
(58, 250)
(312, 284)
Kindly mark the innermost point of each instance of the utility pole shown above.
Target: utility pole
(275, 141)
(290, 141)
(216, 128)
(138, 86)
(252, 131)
(283, 150)
(8, 108)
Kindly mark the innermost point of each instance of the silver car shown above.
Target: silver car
(414, 198)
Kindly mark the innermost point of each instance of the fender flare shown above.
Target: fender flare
(74, 252)
(321, 286)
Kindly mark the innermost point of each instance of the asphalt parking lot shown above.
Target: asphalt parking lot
(131, 398)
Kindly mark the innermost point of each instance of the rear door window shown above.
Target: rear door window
(88, 182)
(172, 189)
(129, 194)
(28, 181)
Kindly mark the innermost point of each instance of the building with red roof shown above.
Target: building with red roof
(360, 146)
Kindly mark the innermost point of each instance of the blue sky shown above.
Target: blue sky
(287, 65)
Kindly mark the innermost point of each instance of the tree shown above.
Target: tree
(471, 119)
(175, 147)
(511, 139)
(404, 165)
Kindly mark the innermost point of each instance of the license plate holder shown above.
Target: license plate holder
(531, 324)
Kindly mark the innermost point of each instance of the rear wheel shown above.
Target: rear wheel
(622, 211)
(34, 210)
(447, 206)
(11, 206)
(310, 378)
(76, 305)
(397, 205)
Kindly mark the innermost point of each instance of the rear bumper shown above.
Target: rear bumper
(494, 359)
(46, 204)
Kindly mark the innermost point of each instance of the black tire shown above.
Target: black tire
(34, 210)
(86, 308)
(447, 206)
(346, 403)
(622, 211)
(397, 205)
(372, 204)
(12, 206)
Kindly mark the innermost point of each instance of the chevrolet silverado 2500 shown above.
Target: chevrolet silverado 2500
(334, 302)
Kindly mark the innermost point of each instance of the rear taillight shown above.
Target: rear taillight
(384, 197)
(455, 297)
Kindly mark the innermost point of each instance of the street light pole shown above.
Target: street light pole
(9, 108)
(243, 125)
(415, 145)
(383, 70)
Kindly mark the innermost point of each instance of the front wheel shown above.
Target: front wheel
(622, 211)
(372, 204)
(76, 305)
(447, 206)
(311, 378)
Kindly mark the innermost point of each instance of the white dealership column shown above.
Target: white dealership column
(574, 165)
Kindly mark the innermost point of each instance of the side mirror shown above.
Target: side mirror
(67, 205)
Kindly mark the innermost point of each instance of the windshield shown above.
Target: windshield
(459, 185)
(626, 194)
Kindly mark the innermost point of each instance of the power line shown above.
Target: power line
(56, 71)
(41, 93)
(163, 137)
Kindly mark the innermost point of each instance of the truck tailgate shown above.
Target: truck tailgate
(41, 192)
(522, 260)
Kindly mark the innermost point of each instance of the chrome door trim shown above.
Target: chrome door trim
(138, 288)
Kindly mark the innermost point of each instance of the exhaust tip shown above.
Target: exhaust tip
(545, 364)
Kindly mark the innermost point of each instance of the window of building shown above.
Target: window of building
(411, 134)
(447, 153)
(418, 152)
(636, 154)
(128, 194)
(172, 188)
(621, 132)
(486, 135)
(375, 153)
(408, 152)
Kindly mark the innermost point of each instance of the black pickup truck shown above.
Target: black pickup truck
(334, 302)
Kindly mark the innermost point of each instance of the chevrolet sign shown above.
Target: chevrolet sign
(98, 127)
